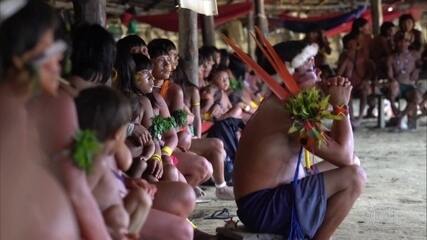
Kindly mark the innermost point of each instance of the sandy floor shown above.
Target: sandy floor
(393, 205)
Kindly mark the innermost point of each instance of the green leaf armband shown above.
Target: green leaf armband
(86, 146)
(161, 125)
(180, 117)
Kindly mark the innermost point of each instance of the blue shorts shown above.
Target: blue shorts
(269, 210)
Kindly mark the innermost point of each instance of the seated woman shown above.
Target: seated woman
(124, 210)
(174, 200)
(33, 202)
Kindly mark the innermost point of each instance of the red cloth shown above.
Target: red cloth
(169, 21)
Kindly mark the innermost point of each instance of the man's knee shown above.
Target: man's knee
(358, 178)
(205, 168)
(217, 146)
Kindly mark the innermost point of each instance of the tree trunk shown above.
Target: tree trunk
(251, 41)
(188, 49)
(90, 11)
(208, 31)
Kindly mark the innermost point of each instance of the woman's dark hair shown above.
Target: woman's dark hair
(237, 67)
(180, 77)
(94, 52)
(385, 27)
(206, 53)
(357, 24)
(127, 65)
(160, 46)
(102, 110)
(22, 31)
(128, 42)
(405, 17)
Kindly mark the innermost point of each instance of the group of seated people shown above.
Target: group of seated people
(387, 64)
(119, 149)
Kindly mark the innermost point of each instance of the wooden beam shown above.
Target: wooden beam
(377, 16)
(251, 41)
(208, 31)
(260, 18)
(90, 11)
(188, 47)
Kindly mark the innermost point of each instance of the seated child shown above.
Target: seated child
(107, 114)
(141, 149)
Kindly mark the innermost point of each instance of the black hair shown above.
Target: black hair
(405, 17)
(142, 62)
(130, 41)
(94, 52)
(215, 71)
(207, 52)
(347, 38)
(160, 46)
(237, 67)
(127, 65)
(357, 24)
(102, 110)
(385, 27)
(22, 31)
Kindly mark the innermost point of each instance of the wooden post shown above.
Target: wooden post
(188, 50)
(208, 31)
(90, 11)
(377, 16)
(251, 41)
(261, 19)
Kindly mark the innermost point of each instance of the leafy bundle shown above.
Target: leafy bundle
(161, 125)
(308, 108)
(86, 146)
(180, 117)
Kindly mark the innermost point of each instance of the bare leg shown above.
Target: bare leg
(165, 226)
(117, 220)
(394, 90)
(175, 198)
(343, 186)
(213, 150)
(195, 168)
(137, 204)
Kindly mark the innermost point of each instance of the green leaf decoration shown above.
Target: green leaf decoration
(86, 146)
(308, 109)
(180, 117)
(236, 84)
(161, 125)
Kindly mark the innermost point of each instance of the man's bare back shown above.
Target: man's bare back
(269, 149)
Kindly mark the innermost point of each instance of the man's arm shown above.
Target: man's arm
(195, 109)
(390, 72)
(338, 148)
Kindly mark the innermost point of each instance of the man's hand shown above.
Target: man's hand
(339, 89)
(142, 134)
(155, 168)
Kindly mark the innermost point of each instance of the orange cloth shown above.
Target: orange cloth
(165, 88)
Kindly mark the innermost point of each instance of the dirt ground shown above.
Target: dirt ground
(393, 205)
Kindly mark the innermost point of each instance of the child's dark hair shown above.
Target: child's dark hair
(215, 71)
(357, 24)
(94, 52)
(22, 31)
(206, 53)
(347, 38)
(102, 110)
(160, 46)
(385, 27)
